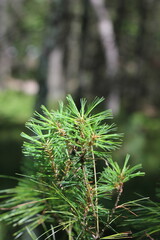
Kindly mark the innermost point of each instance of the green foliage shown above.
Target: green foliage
(141, 141)
(115, 177)
(146, 218)
(62, 187)
(32, 24)
(16, 106)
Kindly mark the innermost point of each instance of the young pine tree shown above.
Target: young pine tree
(61, 188)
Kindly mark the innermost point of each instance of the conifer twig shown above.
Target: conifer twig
(96, 198)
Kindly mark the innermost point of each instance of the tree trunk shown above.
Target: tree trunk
(106, 31)
(50, 71)
(5, 61)
(73, 47)
(55, 79)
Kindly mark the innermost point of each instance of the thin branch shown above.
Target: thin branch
(147, 235)
(95, 185)
(117, 201)
(118, 196)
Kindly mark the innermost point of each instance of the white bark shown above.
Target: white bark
(55, 80)
(106, 31)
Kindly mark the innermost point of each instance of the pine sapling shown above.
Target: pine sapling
(61, 188)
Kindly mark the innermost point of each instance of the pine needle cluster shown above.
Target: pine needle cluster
(146, 218)
(62, 188)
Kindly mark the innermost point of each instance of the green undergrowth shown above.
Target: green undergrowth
(15, 107)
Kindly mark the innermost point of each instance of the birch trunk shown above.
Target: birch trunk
(106, 32)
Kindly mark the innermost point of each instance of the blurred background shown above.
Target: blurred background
(88, 48)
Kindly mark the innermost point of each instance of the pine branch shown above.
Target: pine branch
(61, 186)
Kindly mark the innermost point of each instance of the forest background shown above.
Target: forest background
(88, 48)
